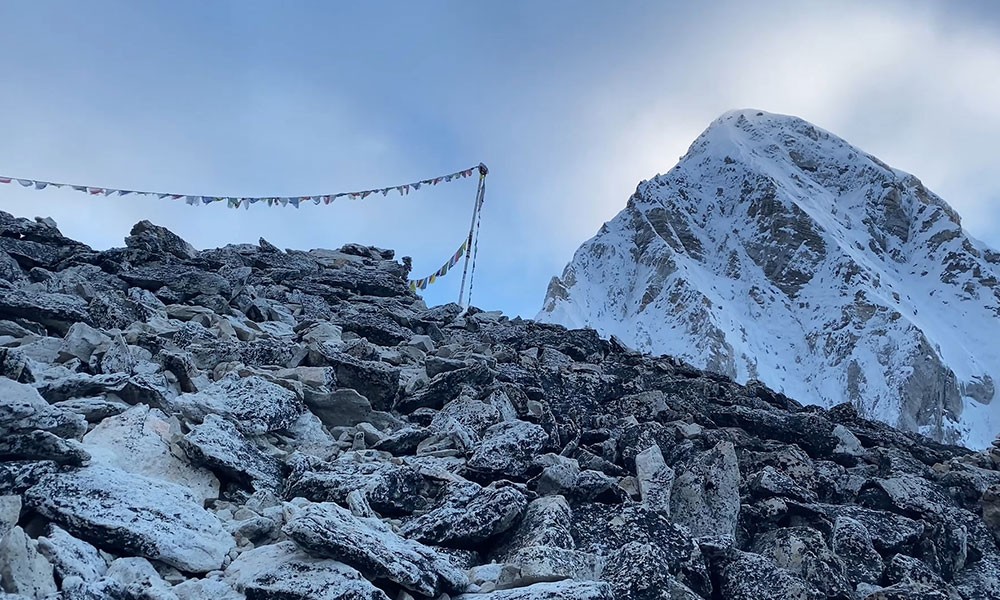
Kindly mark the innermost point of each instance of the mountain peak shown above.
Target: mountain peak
(776, 250)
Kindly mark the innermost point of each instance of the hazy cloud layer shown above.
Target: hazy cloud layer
(570, 103)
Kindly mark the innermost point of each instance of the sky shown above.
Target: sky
(570, 103)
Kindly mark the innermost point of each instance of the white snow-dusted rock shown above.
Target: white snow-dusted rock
(125, 513)
(10, 511)
(70, 556)
(23, 570)
(253, 404)
(309, 437)
(81, 341)
(283, 571)
(328, 531)
(488, 512)
(139, 441)
(776, 251)
(535, 564)
(706, 497)
(655, 479)
(140, 579)
(206, 589)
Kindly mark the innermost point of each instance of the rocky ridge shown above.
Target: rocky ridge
(254, 423)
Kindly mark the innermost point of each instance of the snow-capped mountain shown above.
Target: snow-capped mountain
(777, 251)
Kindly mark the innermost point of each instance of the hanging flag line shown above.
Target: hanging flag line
(297, 201)
(421, 284)
(236, 202)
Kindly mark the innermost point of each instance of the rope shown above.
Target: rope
(237, 202)
(479, 220)
(480, 191)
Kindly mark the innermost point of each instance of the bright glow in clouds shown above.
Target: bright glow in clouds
(569, 103)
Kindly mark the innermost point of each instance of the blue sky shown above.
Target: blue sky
(571, 104)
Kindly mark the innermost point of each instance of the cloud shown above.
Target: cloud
(570, 103)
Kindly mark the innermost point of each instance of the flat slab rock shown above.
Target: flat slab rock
(283, 572)
(560, 590)
(133, 515)
(22, 408)
(329, 531)
(254, 404)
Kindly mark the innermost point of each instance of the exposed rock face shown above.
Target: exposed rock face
(775, 251)
(310, 430)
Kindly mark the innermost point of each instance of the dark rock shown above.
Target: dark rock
(42, 445)
(435, 365)
(852, 544)
(560, 590)
(185, 283)
(391, 489)
(605, 529)
(155, 240)
(55, 311)
(447, 386)
(889, 532)
(804, 552)
(748, 576)
(376, 381)
(22, 410)
(374, 323)
(131, 389)
(488, 513)
(507, 449)
(403, 442)
(547, 522)
(642, 571)
(345, 407)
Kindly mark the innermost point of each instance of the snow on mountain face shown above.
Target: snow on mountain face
(777, 251)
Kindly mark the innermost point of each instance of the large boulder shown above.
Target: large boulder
(283, 572)
(23, 570)
(139, 441)
(467, 524)
(749, 576)
(706, 496)
(219, 446)
(560, 590)
(329, 531)
(158, 241)
(508, 449)
(252, 403)
(70, 556)
(133, 515)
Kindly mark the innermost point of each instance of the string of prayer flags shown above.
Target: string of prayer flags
(421, 284)
(245, 202)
